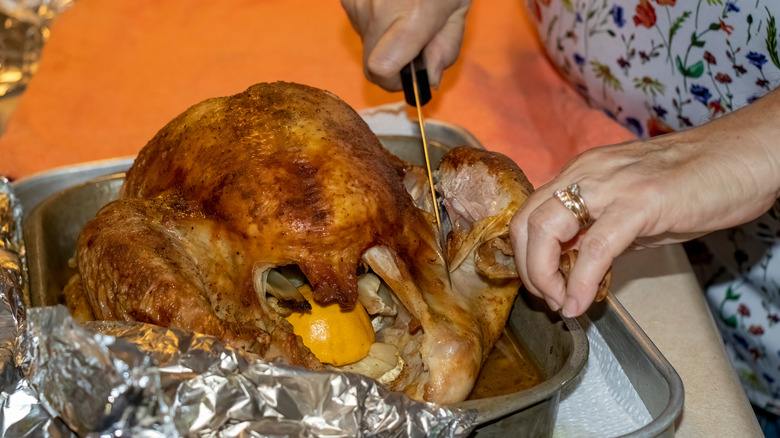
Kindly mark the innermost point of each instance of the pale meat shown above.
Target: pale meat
(284, 174)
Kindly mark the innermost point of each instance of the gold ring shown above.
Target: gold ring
(572, 200)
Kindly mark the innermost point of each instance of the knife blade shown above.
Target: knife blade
(417, 92)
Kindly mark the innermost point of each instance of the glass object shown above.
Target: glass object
(25, 29)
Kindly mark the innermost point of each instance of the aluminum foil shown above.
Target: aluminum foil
(11, 280)
(63, 379)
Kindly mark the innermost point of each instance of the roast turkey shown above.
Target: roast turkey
(241, 200)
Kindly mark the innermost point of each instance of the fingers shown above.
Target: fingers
(357, 12)
(549, 227)
(599, 245)
(394, 48)
(444, 48)
(395, 32)
(544, 228)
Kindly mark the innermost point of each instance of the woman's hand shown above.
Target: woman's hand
(648, 193)
(394, 32)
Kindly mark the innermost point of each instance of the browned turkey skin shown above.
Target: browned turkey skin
(285, 174)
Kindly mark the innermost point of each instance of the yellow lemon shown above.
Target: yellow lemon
(335, 336)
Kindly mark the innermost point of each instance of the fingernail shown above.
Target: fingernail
(434, 81)
(570, 308)
(434, 76)
(554, 306)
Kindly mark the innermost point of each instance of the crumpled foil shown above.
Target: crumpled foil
(11, 280)
(63, 379)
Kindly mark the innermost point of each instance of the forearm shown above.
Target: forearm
(735, 159)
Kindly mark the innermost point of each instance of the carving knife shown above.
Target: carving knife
(417, 92)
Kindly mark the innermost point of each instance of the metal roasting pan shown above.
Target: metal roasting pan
(57, 203)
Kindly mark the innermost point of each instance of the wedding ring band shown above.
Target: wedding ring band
(571, 199)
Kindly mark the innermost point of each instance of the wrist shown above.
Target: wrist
(755, 129)
(745, 149)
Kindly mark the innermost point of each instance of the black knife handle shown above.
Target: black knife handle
(423, 86)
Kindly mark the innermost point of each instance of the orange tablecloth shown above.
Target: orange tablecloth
(115, 71)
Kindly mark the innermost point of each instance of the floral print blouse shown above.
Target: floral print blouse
(661, 65)
(657, 66)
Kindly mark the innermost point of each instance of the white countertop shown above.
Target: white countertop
(659, 290)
